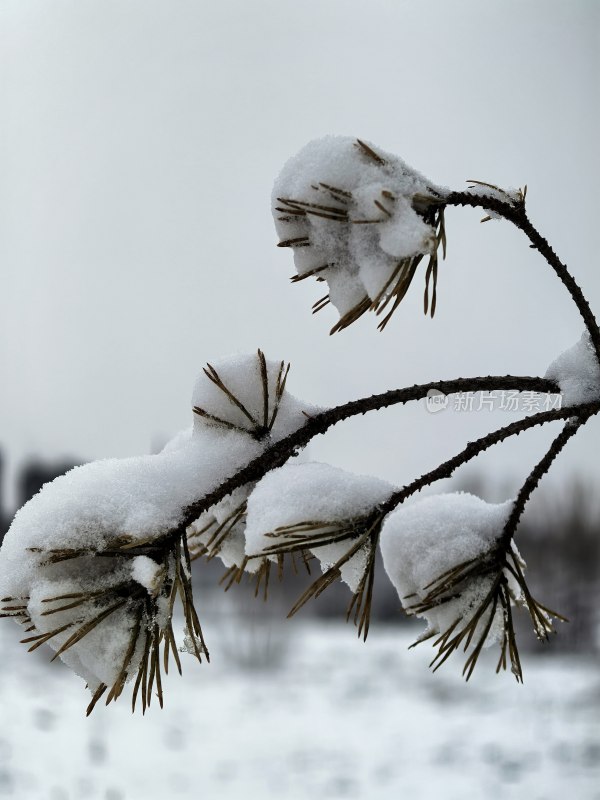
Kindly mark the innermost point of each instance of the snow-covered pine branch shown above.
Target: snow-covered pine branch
(94, 565)
(361, 221)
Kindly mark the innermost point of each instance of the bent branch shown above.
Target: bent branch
(277, 454)
(580, 414)
(518, 216)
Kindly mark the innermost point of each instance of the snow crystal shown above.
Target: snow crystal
(577, 373)
(313, 493)
(323, 203)
(103, 504)
(422, 540)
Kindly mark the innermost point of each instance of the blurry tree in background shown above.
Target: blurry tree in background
(561, 540)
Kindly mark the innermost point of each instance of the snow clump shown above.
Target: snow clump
(357, 218)
(577, 373)
(125, 510)
(313, 499)
(425, 539)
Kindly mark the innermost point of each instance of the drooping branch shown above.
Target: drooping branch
(537, 473)
(149, 574)
(445, 470)
(359, 531)
(277, 454)
(518, 216)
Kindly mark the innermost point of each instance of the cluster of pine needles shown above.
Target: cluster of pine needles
(208, 540)
(259, 427)
(361, 534)
(473, 630)
(152, 640)
(151, 636)
(295, 543)
(335, 204)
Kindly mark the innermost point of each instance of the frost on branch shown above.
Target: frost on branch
(94, 564)
(360, 220)
(327, 512)
(445, 556)
(577, 373)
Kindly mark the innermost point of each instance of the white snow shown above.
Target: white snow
(180, 439)
(140, 498)
(577, 373)
(223, 523)
(334, 176)
(242, 376)
(314, 493)
(147, 573)
(512, 196)
(422, 540)
(100, 660)
(279, 411)
(333, 719)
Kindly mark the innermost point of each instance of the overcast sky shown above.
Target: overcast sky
(139, 143)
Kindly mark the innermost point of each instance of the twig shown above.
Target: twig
(536, 474)
(277, 454)
(445, 470)
(518, 216)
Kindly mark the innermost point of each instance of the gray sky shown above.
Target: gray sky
(139, 144)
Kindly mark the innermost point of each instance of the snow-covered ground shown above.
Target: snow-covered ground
(333, 718)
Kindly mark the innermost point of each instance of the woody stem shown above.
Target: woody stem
(518, 216)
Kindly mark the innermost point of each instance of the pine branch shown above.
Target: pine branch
(580, 413)
(518, 216)
(277, 454)
(536, 474)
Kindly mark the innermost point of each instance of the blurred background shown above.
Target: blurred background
(138, 146)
